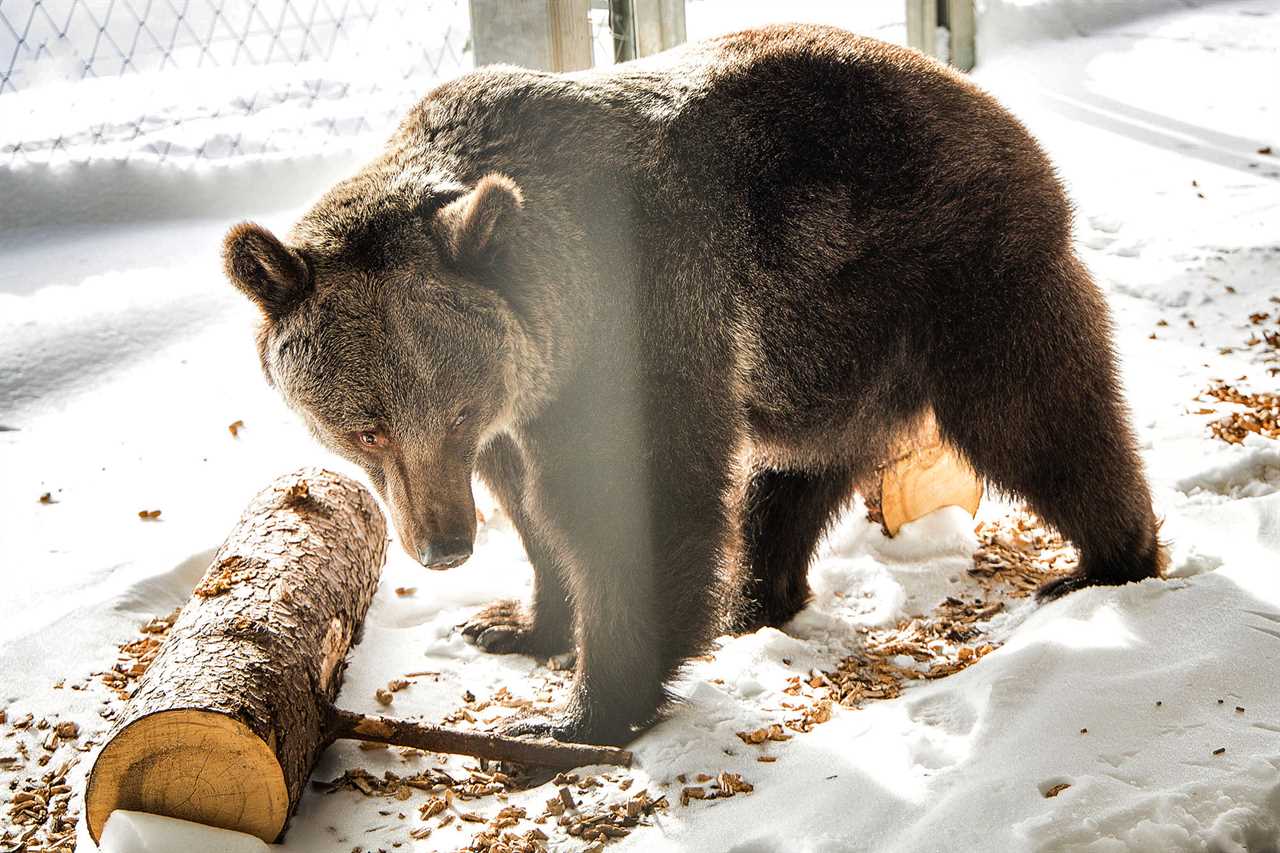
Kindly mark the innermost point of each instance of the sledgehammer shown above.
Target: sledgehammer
(232, 714)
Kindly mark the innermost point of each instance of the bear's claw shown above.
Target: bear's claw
(566, 726)
(505, 628)
(1058, 587)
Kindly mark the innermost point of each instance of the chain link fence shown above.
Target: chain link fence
(210, 80)
(185, 81)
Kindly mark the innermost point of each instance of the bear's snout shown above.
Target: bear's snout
(434, 512)
(444, 554)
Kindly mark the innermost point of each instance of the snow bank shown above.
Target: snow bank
(1002, 23)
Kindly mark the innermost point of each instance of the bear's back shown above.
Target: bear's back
(806, 86)
(781, 158)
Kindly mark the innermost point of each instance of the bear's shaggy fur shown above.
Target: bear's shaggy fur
(673, 312)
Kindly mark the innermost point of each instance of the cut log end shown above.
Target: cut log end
(927, 474)
(196, 765)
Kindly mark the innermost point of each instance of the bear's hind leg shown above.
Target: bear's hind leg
(785, 514)
(1033, 400)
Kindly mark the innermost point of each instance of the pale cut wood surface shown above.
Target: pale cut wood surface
(201, 766)
(926, 475)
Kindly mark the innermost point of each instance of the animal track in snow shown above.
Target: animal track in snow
(944, 730)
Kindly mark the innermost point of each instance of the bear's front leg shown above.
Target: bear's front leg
(541, 631)
(647, 528)
(545, 628)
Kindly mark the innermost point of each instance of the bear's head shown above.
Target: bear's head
(385, 325)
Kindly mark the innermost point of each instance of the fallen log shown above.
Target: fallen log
(229, 719)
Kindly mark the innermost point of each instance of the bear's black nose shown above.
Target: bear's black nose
(445, 554)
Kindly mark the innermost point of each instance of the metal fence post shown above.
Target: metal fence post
(643, 27)
(549, 35)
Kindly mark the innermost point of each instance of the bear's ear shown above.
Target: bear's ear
(471, 225)
(266, 270)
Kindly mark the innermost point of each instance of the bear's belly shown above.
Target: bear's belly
(850, 434)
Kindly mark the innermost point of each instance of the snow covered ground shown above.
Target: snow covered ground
(124, 357)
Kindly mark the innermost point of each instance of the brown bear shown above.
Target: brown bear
(673, 312)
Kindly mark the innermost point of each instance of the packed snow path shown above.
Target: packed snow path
(124, 357)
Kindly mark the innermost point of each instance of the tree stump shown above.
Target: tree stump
(925, 474)
(231, 715)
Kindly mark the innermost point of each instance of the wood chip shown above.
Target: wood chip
(566, 798)
(1260, 415)
(692, 792)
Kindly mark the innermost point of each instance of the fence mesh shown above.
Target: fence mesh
(188, 81)
(215, 79)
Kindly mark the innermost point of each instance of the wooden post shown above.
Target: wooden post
(547, 35)
(922, 25)
(658, 25)
(962, 24)
(925, 16)
(623, 26)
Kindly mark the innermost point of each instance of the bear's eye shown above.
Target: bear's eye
(368, 438)
(460, 419)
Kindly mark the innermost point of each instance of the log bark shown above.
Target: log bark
(231, 715)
